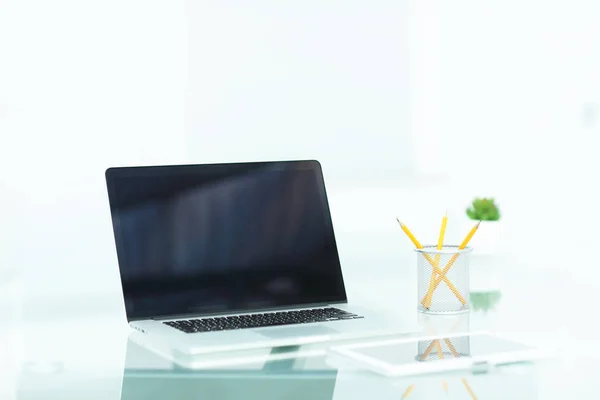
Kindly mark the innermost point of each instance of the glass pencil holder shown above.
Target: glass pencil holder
(443, 280)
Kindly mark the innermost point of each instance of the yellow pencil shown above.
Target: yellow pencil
(440, 245)
(440, 354)
(473, 397)
(436, 269)
(410, 235)
(438, 349)
(426, 301)
(464, 380)
(428, 350)
(451, 347)
(407, 392)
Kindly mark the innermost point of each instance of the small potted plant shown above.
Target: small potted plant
(487, 240)
(487, 244)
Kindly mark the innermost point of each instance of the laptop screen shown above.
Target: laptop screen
(203, 239)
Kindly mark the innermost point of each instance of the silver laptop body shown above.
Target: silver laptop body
(220, 257)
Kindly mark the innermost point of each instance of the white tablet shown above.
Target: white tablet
(421, 355)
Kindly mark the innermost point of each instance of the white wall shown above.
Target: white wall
(301, 79)
(83, 86)
(86, 85)
(516, 79)
(329, 80)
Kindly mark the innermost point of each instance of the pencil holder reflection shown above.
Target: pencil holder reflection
(444, 348)
(443, 279)
(444, 324)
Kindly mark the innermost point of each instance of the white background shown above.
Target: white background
(83, 86)
(301, 79)
(411, 106)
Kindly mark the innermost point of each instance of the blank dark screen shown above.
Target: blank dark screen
(227, 237)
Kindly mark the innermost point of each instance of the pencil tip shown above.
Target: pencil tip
(478, 224)
(398, 219)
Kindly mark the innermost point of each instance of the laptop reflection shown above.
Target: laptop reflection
(275, 373)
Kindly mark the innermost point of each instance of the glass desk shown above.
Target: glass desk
(93, 357)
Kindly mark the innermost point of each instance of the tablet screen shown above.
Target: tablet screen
(418, 351)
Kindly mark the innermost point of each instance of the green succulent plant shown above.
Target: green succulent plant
(483, 209)
(485, 301)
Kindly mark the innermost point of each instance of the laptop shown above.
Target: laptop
(221, 257)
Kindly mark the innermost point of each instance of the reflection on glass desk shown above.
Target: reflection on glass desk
(148, 376)
(485, 300)
(271, 375)
(88, 356)
(520, 383)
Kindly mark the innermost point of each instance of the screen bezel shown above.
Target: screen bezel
(113, 173)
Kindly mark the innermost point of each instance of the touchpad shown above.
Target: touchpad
(317, 330)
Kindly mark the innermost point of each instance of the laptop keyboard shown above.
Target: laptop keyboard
(262, 320)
